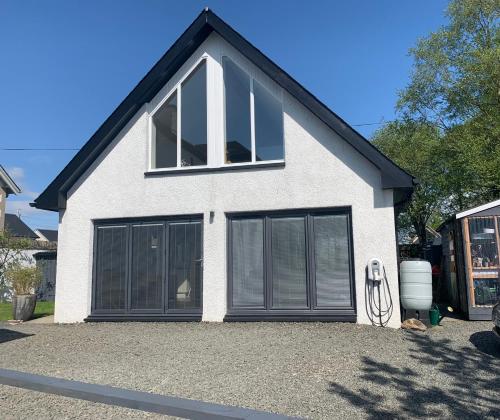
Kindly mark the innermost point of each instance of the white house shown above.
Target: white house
(221, 189)
(7, 187)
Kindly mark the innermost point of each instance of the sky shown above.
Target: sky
(65, 65)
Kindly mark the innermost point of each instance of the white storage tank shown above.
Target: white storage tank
(416, 285)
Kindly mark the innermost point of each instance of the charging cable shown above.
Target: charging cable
(378, 314)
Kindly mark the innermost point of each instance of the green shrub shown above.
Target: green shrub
(24, 280)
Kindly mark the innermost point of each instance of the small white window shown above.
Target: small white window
(172, 147)
(253, 119)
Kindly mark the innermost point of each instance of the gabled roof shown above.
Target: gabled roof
(47, 234)
(478, 209)
(17, 228)
(54, 196)
(7, 183)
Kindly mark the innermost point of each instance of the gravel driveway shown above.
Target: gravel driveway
(316, 370)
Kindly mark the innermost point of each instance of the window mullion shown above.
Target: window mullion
(152, 143)
(268, 277)
(179, 107)
(252, 120)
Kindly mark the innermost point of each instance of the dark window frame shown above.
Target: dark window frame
(128, 313)
(313, 312)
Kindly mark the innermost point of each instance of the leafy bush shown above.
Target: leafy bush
(11, 253)
(24, 280)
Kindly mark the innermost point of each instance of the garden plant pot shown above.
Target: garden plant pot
(23, 307)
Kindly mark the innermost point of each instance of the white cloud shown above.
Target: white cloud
(16, 173)
(34, 218)
(23, 206)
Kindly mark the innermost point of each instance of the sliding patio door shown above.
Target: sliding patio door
(292, 264)
(111, 269)
(146, 274)
(288, 262)
(147, 267)
(185, 265)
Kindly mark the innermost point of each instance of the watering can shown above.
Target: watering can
(435, 316)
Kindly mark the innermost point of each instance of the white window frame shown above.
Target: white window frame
(216, 115)
(252, 117)
(177, 89)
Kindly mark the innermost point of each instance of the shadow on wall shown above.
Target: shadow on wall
(9, 335)
(467, 373)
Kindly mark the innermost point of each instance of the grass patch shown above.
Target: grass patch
(41, 309)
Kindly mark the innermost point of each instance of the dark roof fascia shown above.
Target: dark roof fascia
(145, 90)
(392, 175)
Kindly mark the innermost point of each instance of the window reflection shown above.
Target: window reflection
(237, 97)
(194, 118)
(268, 125)
(165, 134)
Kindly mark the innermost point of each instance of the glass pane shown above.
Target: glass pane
(485, 264)
(331, 249)
(248, 262)
(165, 134)
(237, 96)
(289, 263)
(194, 118)
(185, 266)
(146, 276)
(268, 125)
(110, 282)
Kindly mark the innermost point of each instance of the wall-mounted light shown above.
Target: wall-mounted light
(212, 215)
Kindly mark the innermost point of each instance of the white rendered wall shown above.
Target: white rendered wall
(322, 170)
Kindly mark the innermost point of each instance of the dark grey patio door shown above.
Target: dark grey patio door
(291, 265)
(185, 265)
(110, 268)
(148, 268)
(146, 274)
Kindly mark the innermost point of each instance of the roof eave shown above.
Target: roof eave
(9, 186)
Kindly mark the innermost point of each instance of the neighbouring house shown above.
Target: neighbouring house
(7, 187)
(433, 237)
(17, 228)
(46, 235)
(221, 189)
(471, 265)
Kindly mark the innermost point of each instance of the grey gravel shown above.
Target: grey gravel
(316, 370)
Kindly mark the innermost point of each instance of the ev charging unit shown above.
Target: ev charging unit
(375, 270)
(378, 299)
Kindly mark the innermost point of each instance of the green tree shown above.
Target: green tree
(415, 147)
(11, 253)
(448, 133)
(455, 85)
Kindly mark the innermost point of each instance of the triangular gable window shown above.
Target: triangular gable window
(172, 147)
(253, 118)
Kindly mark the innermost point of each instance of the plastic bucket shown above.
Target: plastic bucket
(434, 315)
